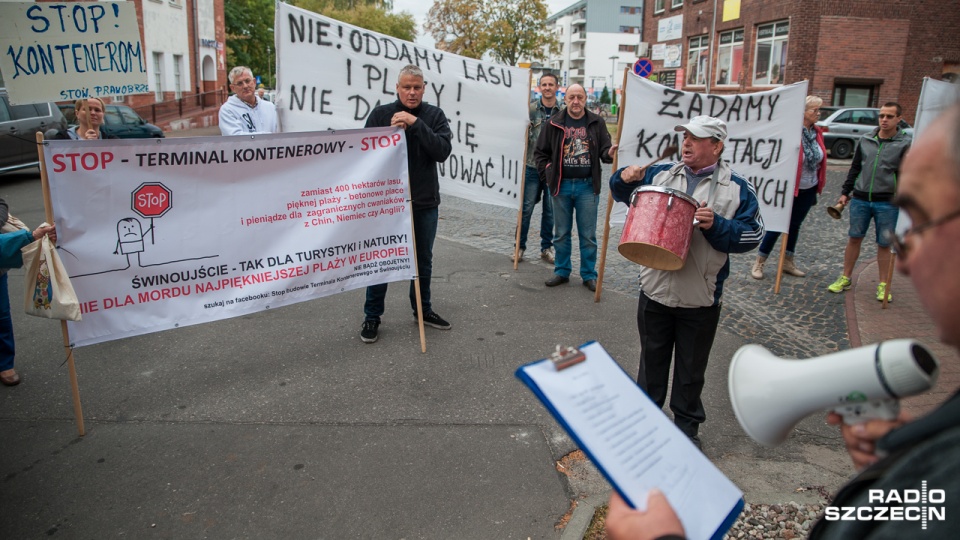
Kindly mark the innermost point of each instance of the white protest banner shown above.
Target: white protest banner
(330, 75)
(935, 97)
(763, 136)
(174, 232)
(63, 51)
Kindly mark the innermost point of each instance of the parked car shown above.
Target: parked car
(120, 121)
(843, 126)
(18, 127)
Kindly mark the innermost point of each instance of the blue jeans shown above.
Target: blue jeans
(533, 191)
(6, 327)
(424, 233)
(884, 215)
(576, 196)
(801, 206)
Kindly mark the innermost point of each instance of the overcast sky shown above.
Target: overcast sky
(419, 9)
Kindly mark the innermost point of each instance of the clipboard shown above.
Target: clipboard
(629, 439)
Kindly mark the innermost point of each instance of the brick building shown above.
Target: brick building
(852, 52)
(184, 44)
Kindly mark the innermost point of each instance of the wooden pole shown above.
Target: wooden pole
(523, 181)
(783, 255)
(71, 366)
(606, 219)
(893, 260)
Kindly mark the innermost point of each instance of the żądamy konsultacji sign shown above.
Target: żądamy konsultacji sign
(763, 136)
(173, 232)
(56, 51)
(330, 75)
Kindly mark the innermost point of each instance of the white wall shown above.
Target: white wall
(165, 27)
(600, 47)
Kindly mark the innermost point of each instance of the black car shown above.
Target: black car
(120, 121)
(19, 125)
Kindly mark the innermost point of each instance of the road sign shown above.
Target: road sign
(643, 67)
(151, 200)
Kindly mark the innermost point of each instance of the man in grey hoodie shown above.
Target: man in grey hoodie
(244, 113)
(869, 189)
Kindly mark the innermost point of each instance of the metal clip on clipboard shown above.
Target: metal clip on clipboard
(565, 357)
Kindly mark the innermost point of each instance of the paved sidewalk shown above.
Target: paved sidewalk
(903, 318)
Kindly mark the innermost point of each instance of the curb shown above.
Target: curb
(582, 516)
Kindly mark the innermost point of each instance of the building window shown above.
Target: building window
(628, 48)
(658, 6)
(855, 95)
(630, 29)
(158, 77)
(631, 10)
(697, 57)
(177, 61)
(771, 57)
(674, 4)
(730, 57)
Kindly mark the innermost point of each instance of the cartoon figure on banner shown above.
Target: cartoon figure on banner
(150, 200)
(130, 236)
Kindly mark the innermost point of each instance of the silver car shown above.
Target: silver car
(18, 127)
(843, 127)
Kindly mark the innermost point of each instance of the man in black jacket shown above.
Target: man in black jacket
(428, 143)
(568, 153)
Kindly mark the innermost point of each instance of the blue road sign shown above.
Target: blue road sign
(643, 67)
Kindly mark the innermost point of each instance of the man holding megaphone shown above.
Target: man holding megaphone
(895, 455)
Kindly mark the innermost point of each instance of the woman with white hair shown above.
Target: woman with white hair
(811, 177)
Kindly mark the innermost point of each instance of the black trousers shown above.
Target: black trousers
(686, 336)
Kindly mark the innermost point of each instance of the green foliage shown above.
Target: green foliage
(507, 29)
(249, 25)
(605, 96)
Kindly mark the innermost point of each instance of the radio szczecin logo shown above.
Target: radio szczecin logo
(921, 505)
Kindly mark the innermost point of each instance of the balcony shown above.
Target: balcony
(578, 37)
(576, 54)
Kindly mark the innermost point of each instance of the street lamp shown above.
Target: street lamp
(613, 71)
(613, 80)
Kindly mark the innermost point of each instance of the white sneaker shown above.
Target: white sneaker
(519, 257)
(547, 255)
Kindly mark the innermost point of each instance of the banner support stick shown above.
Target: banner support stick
(610, 203)
(523, 179)
(783, 254)
(71, 366)
(893, 260)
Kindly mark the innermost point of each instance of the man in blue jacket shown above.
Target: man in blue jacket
(679, 310)
(429, 139)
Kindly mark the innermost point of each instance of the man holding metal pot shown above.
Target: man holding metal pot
(679, 310)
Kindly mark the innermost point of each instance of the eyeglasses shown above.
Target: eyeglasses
(888, 116)
(899, 241)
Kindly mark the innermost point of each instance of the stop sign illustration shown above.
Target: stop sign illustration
(152, 200)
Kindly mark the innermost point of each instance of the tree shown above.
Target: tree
(372, 15)
(605, 96)
(249, 25)
(458, 26)
(507, 29)
(517, 30)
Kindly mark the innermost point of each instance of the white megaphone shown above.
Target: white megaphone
(770, 395)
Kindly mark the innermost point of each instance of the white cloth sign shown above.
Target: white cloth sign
(65, 51)
(763, 136)
(935, 97)
(172, 232)
(330, 75)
